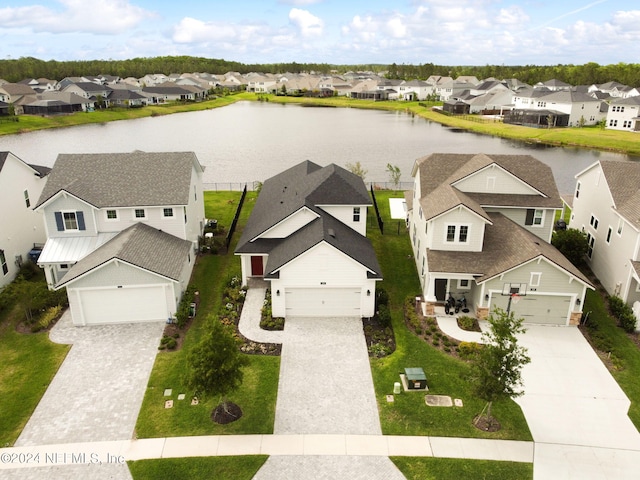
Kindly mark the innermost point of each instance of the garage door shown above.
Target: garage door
(123, 305)
(541, 309)
(322, 302)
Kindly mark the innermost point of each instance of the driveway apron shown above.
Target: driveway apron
(574, 405)
(326, 387)
(97, 393)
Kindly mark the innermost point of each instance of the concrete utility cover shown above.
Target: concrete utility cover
(457, 402)
(181, 396)
(167, 392)
(168, 404)
(438, 400)
(390, 398)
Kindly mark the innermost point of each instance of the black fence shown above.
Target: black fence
(234, 223)
(375, 206)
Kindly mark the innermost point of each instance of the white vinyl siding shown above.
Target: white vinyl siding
(438, 235)
(291, 224)
(503, 182)
(346, 214)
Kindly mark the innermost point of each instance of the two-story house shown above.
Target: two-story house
(122, 233)
(624, 114)
(20, 187)
(480, 227)
(606, 206)
(306, 236)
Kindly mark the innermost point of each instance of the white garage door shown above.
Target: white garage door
(322, 302)
(123, 305)
(542, 309)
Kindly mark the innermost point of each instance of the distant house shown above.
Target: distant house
(566, 107)
(306, 236)
(554, 85)
(624, 114)
(126, 98)
(122, 239)
(16, 94)
(55, 102)
(20, 187)
(90, 90)
(606, 206)
(480, 227)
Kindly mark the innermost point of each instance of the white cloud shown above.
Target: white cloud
(191, 30)
(98, 16)
(299, 3)
(308, 24)
(396, 27)
(513, 15)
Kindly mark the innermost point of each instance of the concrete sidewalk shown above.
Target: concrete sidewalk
(249, 323)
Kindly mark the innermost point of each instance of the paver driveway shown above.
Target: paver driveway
(97, 392)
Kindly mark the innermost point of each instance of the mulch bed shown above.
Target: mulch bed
(374, 332)
(223, 416)
(486, 424)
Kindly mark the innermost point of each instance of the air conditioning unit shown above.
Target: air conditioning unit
(616, 292)
(18, 261)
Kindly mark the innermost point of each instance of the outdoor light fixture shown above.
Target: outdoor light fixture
(368, 293)
(278, 293)
(486, 297)
(578, 302)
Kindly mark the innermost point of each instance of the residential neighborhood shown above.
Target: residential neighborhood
(551, 103)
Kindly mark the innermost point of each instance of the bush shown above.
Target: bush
(623, 314)
(382, 298)
(50, 315)
(468, 350)
(467, 323)
(379, 350)
(384, 315)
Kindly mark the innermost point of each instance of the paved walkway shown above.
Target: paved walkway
(249, 323)
(97, 392)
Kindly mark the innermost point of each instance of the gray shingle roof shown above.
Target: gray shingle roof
(123, 179)
(139, 245)
(440, 170)
(506, 245)
(306, 184)
(42, 171)
(623, 178)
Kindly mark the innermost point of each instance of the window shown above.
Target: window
(112, 214)
(578, 190)
(534, 217)
(64, 266)
(593, 222)
(463, 284)
(420, 213)
(609, 235)
(356, 214)
(139, 213)
(69, 221)
(414, 234)
(534, 281)
(3, 262)
(451, 233)
(26, 198)
(464, 233)
(167, 212)
(422, 273)
(620, 223)
(591, 240)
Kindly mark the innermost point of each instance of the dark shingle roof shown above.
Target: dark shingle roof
(328, 229)
(506, 245)
(139, 245)
(306, 184)
(123, 179)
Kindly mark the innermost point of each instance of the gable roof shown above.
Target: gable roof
(139, 245)
(327, 229)
(507, 245)
(305, 184)
(623, 179)
(39, 170)
(123, 179)
(439, 171)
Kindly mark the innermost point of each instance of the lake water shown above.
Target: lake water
(249, 141)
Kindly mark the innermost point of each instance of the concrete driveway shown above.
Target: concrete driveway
(97, 392)
(576, 411)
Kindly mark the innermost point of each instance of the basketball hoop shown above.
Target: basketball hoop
(515, 298)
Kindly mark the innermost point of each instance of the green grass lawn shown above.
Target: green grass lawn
(455, 469)
(256, 396)
(29, 363)
(218, 468)
(409, 415)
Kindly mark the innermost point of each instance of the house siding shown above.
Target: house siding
(503, 182)
(457, 217)
(21, 226)
(290, 224)
(519, 216)
(345, 215)
(71, 204)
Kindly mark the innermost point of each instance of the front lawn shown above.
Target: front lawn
(408, 414)
(256, 396)
(429, 468)
(29, 363)
(220, 468)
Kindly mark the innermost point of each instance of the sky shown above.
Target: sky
(339, 32)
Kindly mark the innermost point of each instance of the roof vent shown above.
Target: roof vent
(331, 232)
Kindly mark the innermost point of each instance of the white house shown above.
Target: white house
(606, 206)
(20, 187)
(122, 232)
(480, 227)
(624, 114)
(306, 237)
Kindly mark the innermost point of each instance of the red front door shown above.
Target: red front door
(257, 269)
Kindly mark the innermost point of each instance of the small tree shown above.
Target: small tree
(357, 169)
(215, 366)
(394, 174)
(572, 243)
(497, 366)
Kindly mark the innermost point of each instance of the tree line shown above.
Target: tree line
(14, 70)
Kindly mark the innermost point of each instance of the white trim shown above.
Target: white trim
(493, 165)
(534, 279)
(135, 217)
(106, 215)
(275, 225)
(64, 222)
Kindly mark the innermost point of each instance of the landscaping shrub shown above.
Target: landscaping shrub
(384, 315)
(379, 350)
(468, 349)
(382, 297)
(623, 313)
(50, 315)
(467, 323)
(411, 316)
(267, 320)
(184, 308)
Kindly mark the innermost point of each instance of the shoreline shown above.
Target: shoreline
(594, 138)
